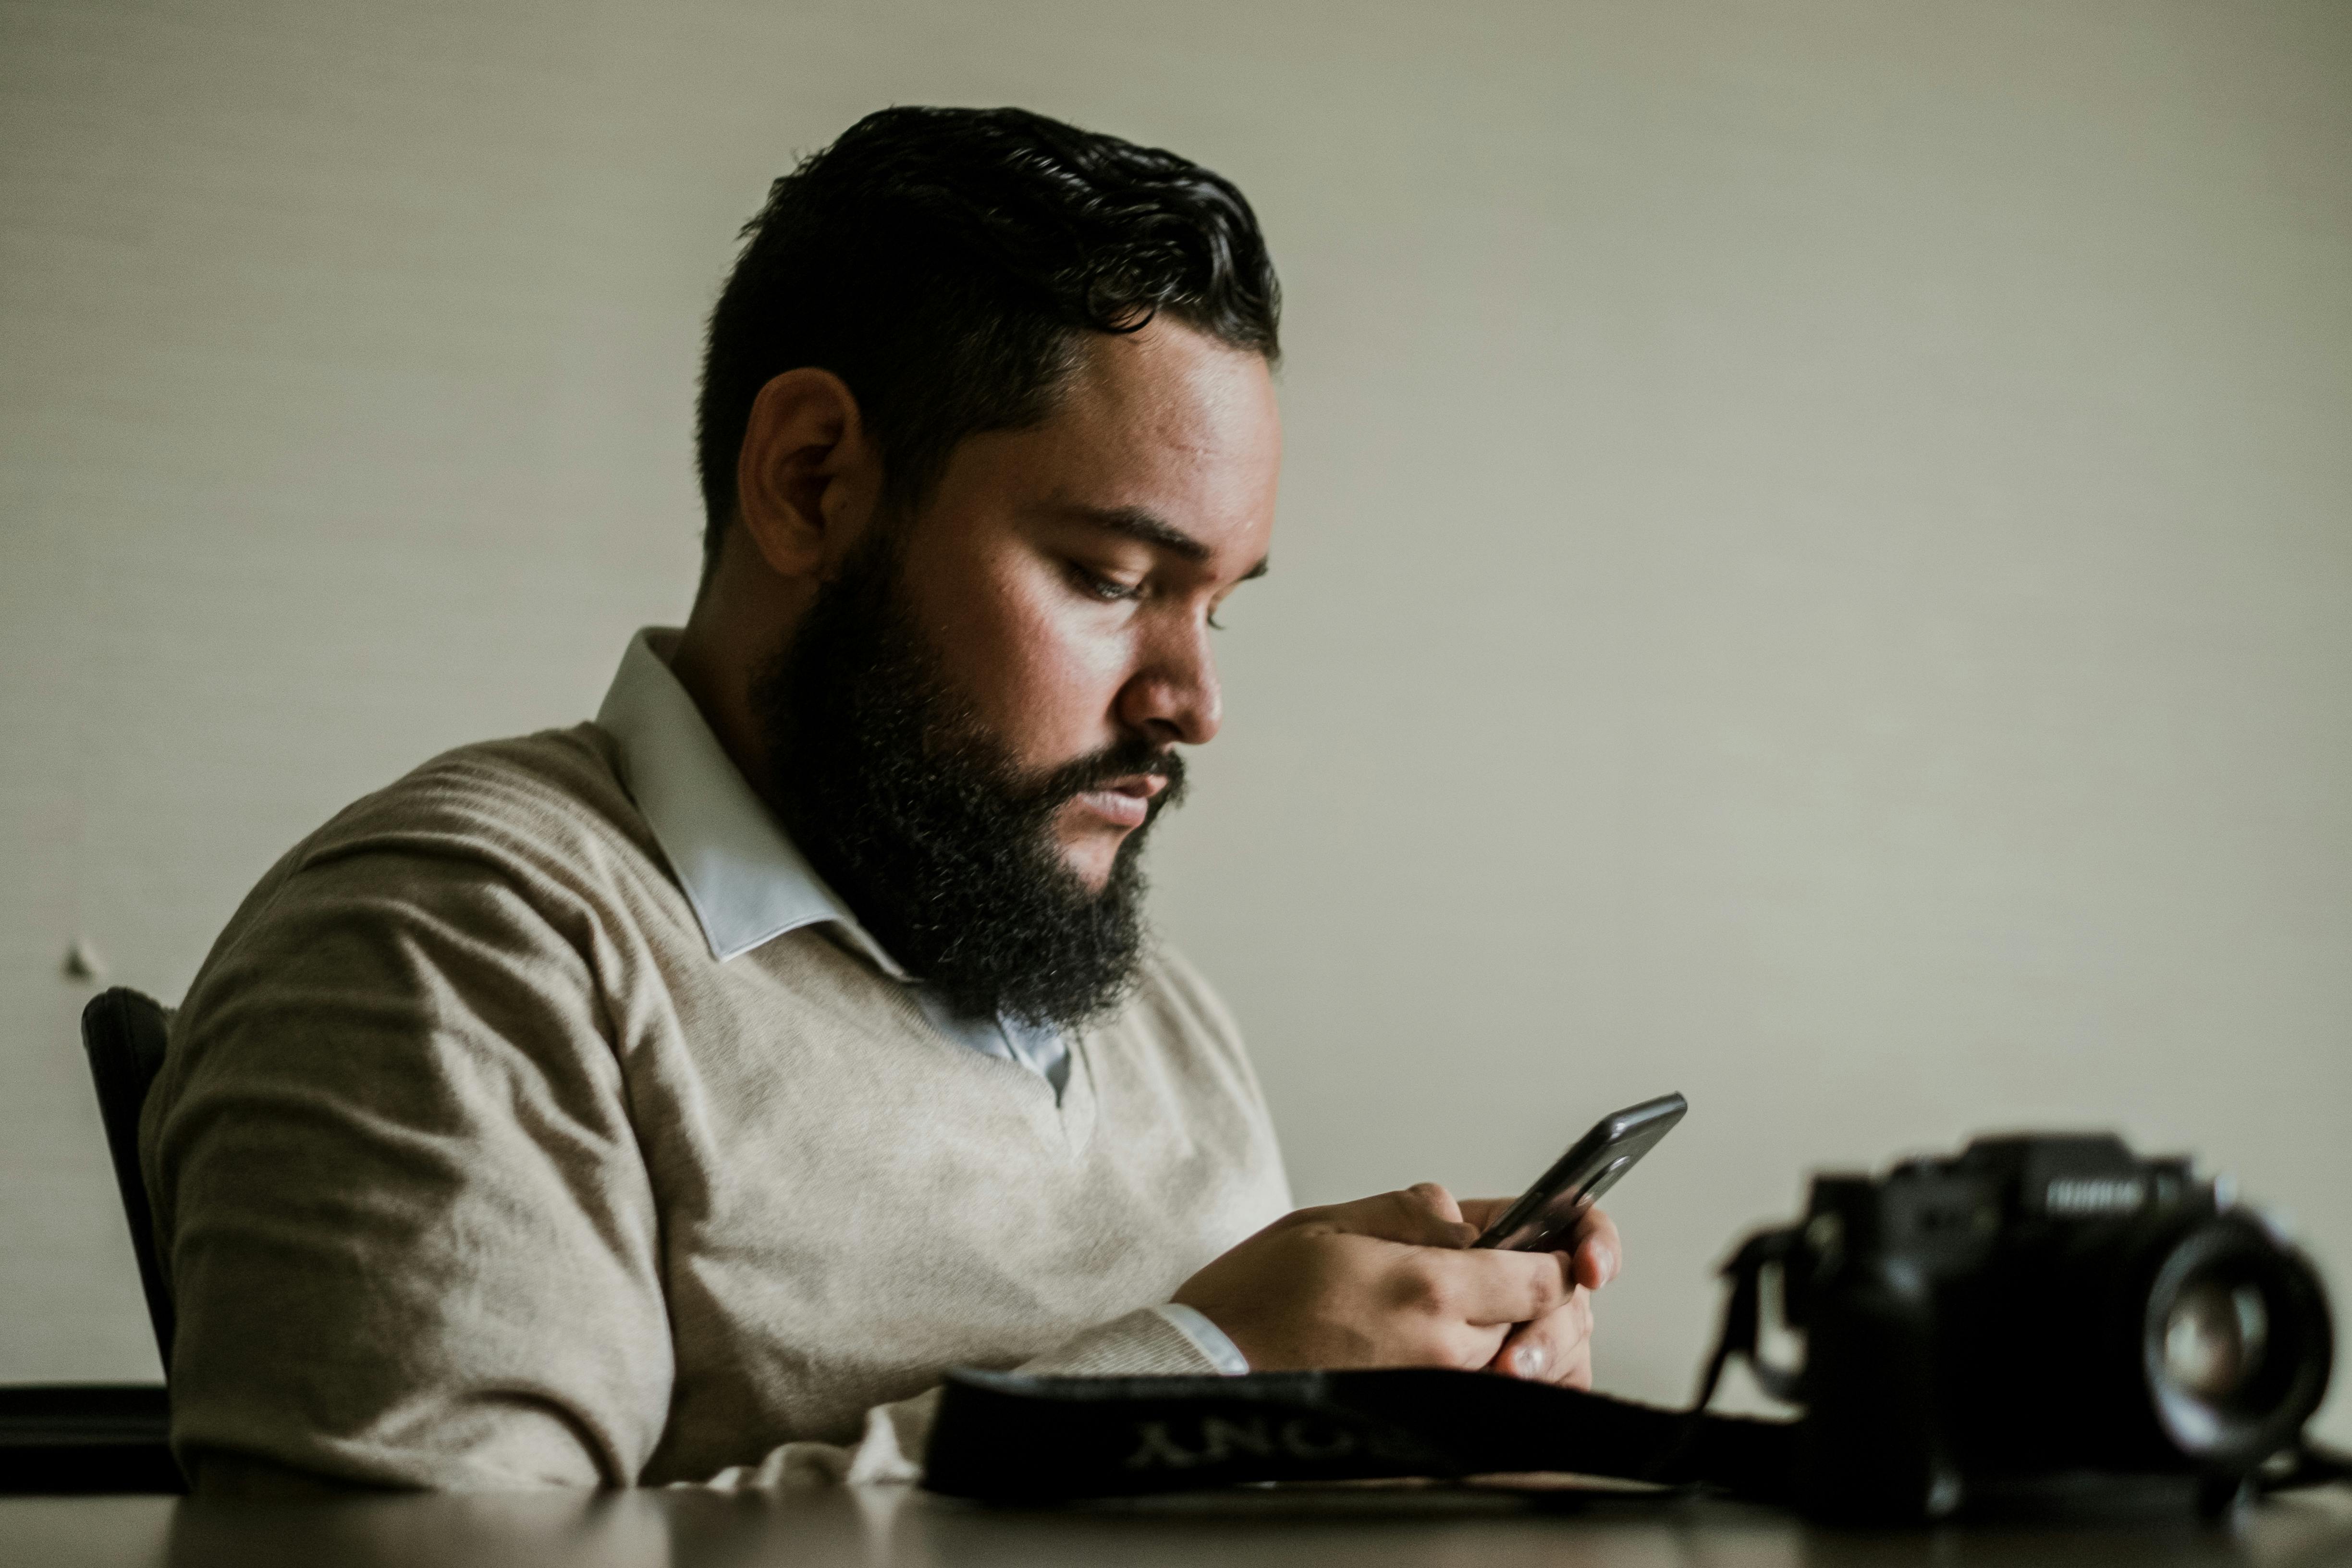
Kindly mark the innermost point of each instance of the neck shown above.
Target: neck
(728, 640)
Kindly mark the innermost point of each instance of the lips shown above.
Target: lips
(1124, 802)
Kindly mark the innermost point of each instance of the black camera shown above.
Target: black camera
(2037, 1318)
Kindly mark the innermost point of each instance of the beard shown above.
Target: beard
(921, 819)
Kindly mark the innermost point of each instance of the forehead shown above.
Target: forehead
(1167, 420)
(1172, 385)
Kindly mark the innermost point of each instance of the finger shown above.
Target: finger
(1438, 1199)
(1423, 1215)
(1470, 1348)
(1580, 1368)
(1484, 1212)
(1579, 1372)
(1489, 1288)
(1551, 1348)
(1599, 1254)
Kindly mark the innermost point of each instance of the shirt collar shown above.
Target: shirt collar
(748, 882)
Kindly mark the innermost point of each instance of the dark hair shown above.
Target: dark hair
(942, 262)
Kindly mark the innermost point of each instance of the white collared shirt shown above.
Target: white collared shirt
(748, 883)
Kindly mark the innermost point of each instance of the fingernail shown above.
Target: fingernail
(1605, 1260)
(1528, 1360)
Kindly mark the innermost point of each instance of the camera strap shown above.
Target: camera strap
(1011, 1436)
(1743, 1316)
(1007, 1437)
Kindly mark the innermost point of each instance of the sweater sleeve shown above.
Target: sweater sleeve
(1153, 1342)
(410, 1236)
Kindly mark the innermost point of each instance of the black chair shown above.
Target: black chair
(123, 1033)
(106, 1437)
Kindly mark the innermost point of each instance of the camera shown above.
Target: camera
(2036, 1318)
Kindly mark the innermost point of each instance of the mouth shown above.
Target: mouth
(1123, 803)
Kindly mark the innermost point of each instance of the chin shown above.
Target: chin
(1092, 863)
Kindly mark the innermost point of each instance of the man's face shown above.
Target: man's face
(1063, 576)
(974, 722)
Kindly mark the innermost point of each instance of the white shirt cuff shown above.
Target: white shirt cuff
(1206, 1337)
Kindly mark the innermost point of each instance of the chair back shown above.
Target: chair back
(123, 1033)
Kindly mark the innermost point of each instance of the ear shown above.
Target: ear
(807, 478)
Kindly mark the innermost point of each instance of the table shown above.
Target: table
(895, 1526)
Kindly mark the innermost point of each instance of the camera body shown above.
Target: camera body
(2037, 1316)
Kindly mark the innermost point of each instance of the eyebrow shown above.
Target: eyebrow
(1149, 526)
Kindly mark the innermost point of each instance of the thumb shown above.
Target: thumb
(1422, 1216)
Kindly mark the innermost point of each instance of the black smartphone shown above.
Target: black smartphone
(1546, 1219)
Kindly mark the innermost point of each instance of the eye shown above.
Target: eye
(1107, 589)
(1216, 625)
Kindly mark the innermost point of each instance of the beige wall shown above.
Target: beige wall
(1814, 568)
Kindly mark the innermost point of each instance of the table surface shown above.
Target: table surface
(880, 1527)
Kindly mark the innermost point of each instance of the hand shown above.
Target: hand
(1558, 1347)
(1390, 1280)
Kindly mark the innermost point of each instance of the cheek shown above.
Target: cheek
(1045, 667)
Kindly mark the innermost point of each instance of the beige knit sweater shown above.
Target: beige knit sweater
(474, 1168)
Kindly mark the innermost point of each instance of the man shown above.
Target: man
(675, 1097)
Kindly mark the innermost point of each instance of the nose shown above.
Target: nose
(1173, 696)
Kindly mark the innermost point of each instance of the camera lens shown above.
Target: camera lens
(2214, 1337)
(2237, 1343)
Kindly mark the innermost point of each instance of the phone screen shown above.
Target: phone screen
(1546, 1217)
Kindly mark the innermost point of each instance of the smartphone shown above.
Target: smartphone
(1546, 1219)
